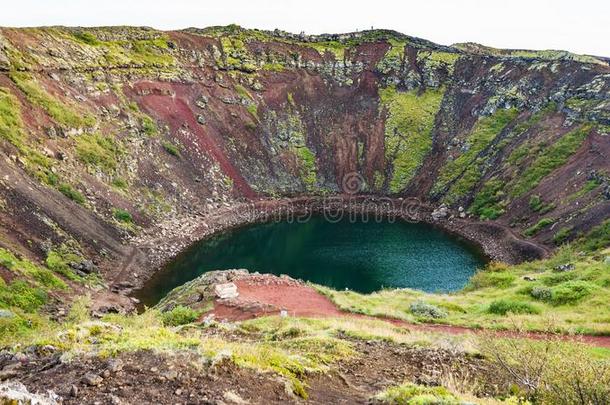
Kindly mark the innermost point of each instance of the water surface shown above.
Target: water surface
(360, 256)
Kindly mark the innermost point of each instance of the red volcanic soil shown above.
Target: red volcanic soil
(261, 295)
(258, 297)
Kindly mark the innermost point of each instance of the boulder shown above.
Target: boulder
(92, 380)
(226, 290)
(564, 267)
(440, 212)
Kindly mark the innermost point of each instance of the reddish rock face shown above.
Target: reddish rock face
(169, 125)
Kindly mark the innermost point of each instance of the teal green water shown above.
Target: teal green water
(360, 256)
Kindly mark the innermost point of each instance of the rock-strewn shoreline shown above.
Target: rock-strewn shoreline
(163, 242)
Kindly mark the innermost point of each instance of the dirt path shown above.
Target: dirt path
(269, 295)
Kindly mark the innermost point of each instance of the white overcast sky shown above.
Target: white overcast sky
(581, 26)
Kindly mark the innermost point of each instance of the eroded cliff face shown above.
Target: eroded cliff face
(106, 132)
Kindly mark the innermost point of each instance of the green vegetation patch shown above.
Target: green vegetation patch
(489, 201)
(12, 131)
(565, 293)
(11, 125)
(96, 150)
(538, 226)
(413, 394)
(503, 307)
(537, 204)
(550, 158)
(494, 276)
(122, 215)
(562, 235)
(597, 238)
(172, 149)
(336, 48)
(39, 275)
(20, 295)
(408, 131)
(179, 315)
(152, 52)
(73, 194)
(464, 172)
(433, 60)
(61, 113)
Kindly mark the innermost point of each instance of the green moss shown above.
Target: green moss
(11, 125)
(236, 55)
(253, 110)
(336, 48)
(171, 149)
(153, 52)
(413, 394)
(433, 60)
(20, 295)
(464, 172)
(534, 229)
(149, 126)
(71, 193)
(408, 131)
(242, 92)
(12, 131)
(61, 113)
(308, 166)
(102, 152)
(60, 259)
(273, 67)
(39, 275)
(548, 159)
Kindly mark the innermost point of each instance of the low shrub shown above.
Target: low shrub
(557, 279)
(487, 278)
(171, 149)
(549, 371)
(503, 307)
(179, 315)
(571, 292)
(120, 183)
(424, 310)
(71, 193)
(562, 235)
(541, 293)
(19, 294)
(122, 215)
(598, 238)
(534, 229)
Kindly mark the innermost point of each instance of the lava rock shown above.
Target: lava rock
(440, 212)
(115, 365)
(92, 380)
(564, 267)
